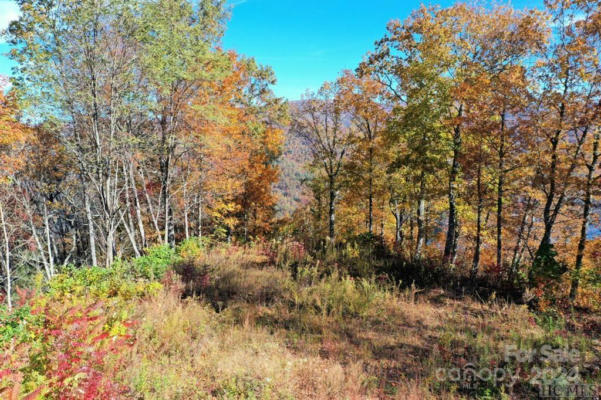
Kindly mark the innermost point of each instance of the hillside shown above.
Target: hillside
(424, 223)
(232, 322)
(293, 164)
(4, 82)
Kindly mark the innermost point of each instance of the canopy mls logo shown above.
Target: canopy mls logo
(551, 371)
(572, 391)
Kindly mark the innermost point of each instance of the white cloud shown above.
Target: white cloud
(9, 11)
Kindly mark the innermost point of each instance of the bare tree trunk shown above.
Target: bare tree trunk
(412, 233)
(165, 168)
(36, 237)
(166, 209)
(319, 212)
(199, 222)
(382, 219)
(500, 189)
(138, 208)
(91, 233)
(171, 226)
(421, 210)
(132, 238)
(525, 241)
(516, 249)
(397, 212)
(186, 222)
(48, 242)
(450, 248)
(371, 191)
(331, 207)
(6, 259)
(112, 216)
(110, 247)
(585, 219)
(476, 260)
(154, 217)
(129, 224)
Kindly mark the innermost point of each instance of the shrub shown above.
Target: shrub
(14, 358)
(155, 262)
(66, 351)
(77, 355)
(101, 283)
(338, 296)
(15, 324)
(193, 247)
(545, 266)
(287, 254)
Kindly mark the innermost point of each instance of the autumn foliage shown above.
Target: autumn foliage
(148, 175)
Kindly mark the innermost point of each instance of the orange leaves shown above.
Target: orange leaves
(13, 137)
(235, 141)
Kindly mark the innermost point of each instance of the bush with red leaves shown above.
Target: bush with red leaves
(70, 355)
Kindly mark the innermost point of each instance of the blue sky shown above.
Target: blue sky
(305, 42)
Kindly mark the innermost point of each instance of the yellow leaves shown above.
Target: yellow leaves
(13, 137)
(235, 144)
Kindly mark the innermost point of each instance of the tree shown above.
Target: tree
(567, 103)
(363, 99)
(410, 61)
(235, 138)
(75, 58)
(177, 55)
(320, 121)
(495, 91)
(590, 27)
(116, 77)
(13, 139)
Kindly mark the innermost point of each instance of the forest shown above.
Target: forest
(172, 229)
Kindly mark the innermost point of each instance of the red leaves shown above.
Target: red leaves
(79, 357)
(34, 395)
(12, 362)
(24, 296)
(100, 337)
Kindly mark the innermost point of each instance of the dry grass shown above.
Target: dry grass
(185, 350)
(251, 331)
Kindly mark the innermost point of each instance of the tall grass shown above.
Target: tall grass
(265, 322)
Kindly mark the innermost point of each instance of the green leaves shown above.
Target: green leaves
(178, 39)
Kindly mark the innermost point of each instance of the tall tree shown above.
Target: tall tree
(177, 40)
(363, 99)
(567, 100)
(410, 61)
(75, 57)
(13, 139)
(320, 120)
(590, 26)
(235, 138)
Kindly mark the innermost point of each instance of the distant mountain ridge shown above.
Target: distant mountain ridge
(4, 82)
(293, 163)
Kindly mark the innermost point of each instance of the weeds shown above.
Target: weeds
(268, 323)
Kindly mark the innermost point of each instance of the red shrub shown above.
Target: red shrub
(80, 359)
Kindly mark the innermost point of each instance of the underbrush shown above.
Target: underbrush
(67, 338)
(272, 322)
(185, 350)
(402, 336)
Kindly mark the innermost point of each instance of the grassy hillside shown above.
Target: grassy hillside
(270, 322)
